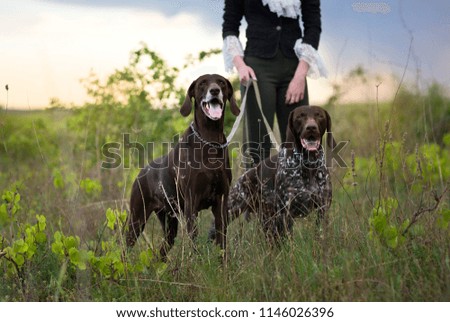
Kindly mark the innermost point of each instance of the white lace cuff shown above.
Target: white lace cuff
(231, 47)
(285, 8)
(310, 55)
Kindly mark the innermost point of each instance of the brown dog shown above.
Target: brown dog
(292, 183)
(195, 175)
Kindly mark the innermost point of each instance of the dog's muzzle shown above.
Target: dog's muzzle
(310, 141)
(310, 137)
(310, 144)
(213, 108)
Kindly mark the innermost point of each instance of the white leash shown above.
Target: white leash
(242, 110)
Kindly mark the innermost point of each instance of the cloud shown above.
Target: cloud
(208, 11)
(65, 42)
(48, 45)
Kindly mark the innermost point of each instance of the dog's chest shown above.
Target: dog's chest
(209, 187)
(299, 186)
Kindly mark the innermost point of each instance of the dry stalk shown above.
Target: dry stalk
(421, 211)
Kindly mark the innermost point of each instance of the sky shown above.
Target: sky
(48, 46)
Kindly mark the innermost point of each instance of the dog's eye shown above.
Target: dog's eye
(221, 83)
(302, 114)
(318, 115)
(202, 84)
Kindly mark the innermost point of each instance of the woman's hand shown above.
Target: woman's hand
(296, 88)
(245, 71)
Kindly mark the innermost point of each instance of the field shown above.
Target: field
(64, 202)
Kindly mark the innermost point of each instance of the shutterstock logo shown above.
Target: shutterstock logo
(371, 7)
(128, 153)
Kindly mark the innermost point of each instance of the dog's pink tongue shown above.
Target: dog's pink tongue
(310, 145)
(215, 111)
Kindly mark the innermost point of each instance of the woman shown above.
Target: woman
(278, 54)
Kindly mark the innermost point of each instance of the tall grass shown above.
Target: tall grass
(347, 264)
(387, 240)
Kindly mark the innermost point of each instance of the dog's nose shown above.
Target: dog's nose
(214, 91)
(311, 127)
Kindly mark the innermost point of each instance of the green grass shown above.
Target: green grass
(346, 264)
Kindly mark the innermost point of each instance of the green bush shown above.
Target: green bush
(61, 228)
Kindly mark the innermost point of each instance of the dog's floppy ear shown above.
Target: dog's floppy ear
(186, 108)
(330, 139)
(291, 139)
(233, 105)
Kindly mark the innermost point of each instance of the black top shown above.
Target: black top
(266, 32)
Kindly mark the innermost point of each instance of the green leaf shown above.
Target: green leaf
(139, 268)
(19, 259)
(91, 187)
(14, 209)
(58, 248)
(9, 252)
(93, 259)
(30, 230)
(392, 243)
(123, 217)
(4, 217)
(390, 205)
(82, 265)
(160, 268)
(90, 254)
(8, 196)
(390, 232)
(115, 256)
(119, 267)
(379, 223)
(84, 258)
(111, 218)
(42, 222)
(57, 236)
(31, 251)
(71, 242)
(41, 237)
(404, 225)
(20, 246)
(30, 239)
(16, 198)
(74, 256)
(391, 236)
(58, 181)
(145, 257)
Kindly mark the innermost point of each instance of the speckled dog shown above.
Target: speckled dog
(292, 183)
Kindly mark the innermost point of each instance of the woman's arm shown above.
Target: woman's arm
(312, 23)
(306, 48)
(296, 88)
(245, 71)
(232, 16)
(310, 63)
(232, 48)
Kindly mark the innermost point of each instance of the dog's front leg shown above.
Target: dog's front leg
(221, 219)
(323, 205)
(190, 213)
(322, 221)
(169, 225)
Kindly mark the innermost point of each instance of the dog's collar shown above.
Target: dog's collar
(211, 144)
